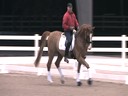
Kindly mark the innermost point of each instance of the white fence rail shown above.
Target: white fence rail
(36, 39)
(123, 49)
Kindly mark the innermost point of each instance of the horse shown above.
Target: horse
(83, 39)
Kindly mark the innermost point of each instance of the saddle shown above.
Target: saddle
(62, 44)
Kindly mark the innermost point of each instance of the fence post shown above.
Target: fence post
(36, 44)
(123, 55)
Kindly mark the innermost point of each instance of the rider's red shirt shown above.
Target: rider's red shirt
(69, 19)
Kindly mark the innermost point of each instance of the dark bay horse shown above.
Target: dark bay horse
(82, 42)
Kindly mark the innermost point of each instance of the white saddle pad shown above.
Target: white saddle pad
(62, 42)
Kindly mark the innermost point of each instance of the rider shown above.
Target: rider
(69, 25)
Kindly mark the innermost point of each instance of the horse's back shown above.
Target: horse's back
(55, 35)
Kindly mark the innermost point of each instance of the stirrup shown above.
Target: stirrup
(66, 59)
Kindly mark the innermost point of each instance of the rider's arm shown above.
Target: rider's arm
(65, 22)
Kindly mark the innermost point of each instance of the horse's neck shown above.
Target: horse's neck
(80, 46)
(81, 37)
(81, 41)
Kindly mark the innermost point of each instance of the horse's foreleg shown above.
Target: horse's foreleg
(57, 63)
(82, 61)
(78, 75)
(90, 76)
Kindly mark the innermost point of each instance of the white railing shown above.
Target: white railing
(34, 48)
(123, 49)
(36, 39)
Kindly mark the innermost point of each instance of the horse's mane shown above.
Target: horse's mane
(84, 29)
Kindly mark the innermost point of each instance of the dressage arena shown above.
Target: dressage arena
(19, 77)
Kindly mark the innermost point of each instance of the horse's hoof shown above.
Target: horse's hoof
(79, 83)
(90, 81)
(66, 60)
(35, 64)
(62, 81)
(49, 80)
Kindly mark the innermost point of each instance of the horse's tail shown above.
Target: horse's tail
(42, 45)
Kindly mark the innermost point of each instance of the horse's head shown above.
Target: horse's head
(85, 32)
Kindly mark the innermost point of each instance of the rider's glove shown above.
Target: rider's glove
(74, 31)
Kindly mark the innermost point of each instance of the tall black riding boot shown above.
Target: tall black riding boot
(66, 54)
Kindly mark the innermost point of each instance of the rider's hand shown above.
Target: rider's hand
(74, 31)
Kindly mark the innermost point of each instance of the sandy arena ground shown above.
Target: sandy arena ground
(19, 84)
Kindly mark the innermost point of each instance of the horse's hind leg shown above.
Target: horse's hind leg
(57, 63)
(49, 78)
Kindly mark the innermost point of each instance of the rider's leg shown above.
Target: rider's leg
(68, 35)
